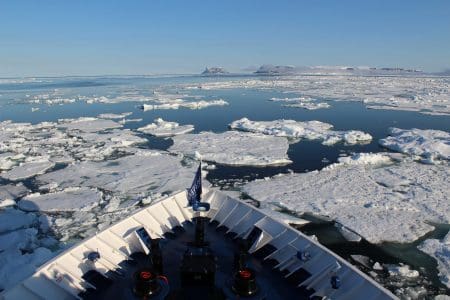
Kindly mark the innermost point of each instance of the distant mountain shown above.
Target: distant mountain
(214, 71)
(333, 70)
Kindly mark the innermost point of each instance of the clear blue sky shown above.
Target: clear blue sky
(86, 37)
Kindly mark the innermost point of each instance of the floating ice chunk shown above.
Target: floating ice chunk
(114, 116)
(362, 159)
(125, 121)
(28, 169)
(71, 199)
(348, 234)
(13, 219)
(403, 271)
(15, 267)
(179, 103)
(22, 239)
(138, 175)
(431, 144)
(354, 196)
(234, 148)
(12, 192)
(87, 124)
(302, 102)
(163, 128)
(7, 202)
(440, 250)
(312, 130)
(377, 266)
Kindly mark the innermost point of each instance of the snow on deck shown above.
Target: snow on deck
(430, 144)
(440, 250)
(311, 130)
(390, 203)
(163, 128)
(234, 148)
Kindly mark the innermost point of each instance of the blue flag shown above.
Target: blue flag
(195, 191)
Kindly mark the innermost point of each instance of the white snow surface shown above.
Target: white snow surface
(71, 199)
(163, 128)
(234, 148)
(312, 130)
(440, 250)
(390, 203)
(430, 144)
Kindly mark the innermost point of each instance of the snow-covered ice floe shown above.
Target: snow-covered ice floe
(133, 176)
(234, 148)
(440, 250)
(390, 203)
(114, 116)
(180, 103)
(311, 130)
(163, 128)
(70, 199)
(302, 102)
(430, 144)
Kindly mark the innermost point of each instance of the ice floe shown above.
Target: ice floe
(180, 103)
(10, 192)
(390, 203)
(440, 250)
(142, 174)
(302, 102)
(312, 130)
(28, 169)
(234, 148)
(430, 144)
(13, 219)
(163, 128)
(70, 199)
(114, 116)
(376, 159)
(87, 124)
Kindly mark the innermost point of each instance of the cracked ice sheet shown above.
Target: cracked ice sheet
(71, 199)
(163, 128)
(440, 250)
(234, 148)
(428, 95)
(430, 144)
(142, 174)
(381, 204)
(312, 130)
